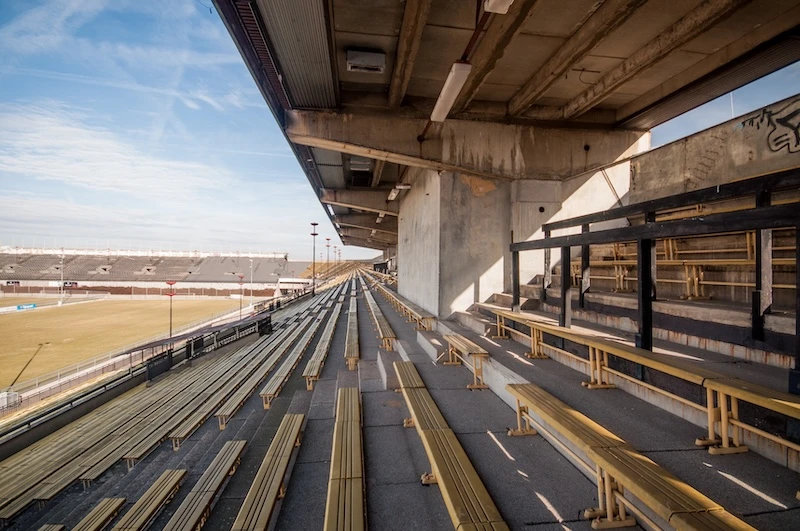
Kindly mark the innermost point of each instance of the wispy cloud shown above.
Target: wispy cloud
(57, 143)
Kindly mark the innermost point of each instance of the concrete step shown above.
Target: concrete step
(476, 322)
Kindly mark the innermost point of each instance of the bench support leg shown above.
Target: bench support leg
(501, 328)
(609, 514)
(477, 374)
(523, 424)
(537, 339)
(309, 384)
(726, 447)
(597, 361)
(408, 423)
(452, 357)
(429, 479)
(713, 416)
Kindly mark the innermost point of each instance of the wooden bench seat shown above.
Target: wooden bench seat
(722, 392)
(618, 467)
(268, 484)
(282, 373)
(407, 374)
(193, 512)
(423, 319)
(385, 332)
(351, 349)
(236, 400)
(468, 502)
(459, 348)
(314, 366)
(99, 517)
(145, 510)
(344, 507)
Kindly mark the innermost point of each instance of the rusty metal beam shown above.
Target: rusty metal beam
(610, 15)
(369, 200)
(691, 25)
(367, 221)
(415, 16)
(499, 34)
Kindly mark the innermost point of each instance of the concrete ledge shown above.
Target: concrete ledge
(386, 359)
(476, 322)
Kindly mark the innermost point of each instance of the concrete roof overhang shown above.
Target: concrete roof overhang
(586, 64)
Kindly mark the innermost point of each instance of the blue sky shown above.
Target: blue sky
(135, 123)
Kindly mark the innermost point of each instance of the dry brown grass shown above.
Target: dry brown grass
(78, 332)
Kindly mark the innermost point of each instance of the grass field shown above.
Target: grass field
(81, 331)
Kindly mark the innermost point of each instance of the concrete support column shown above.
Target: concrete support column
(646, 273)
(762, 295)
(564, 317)
(585, 272)
(514, 281)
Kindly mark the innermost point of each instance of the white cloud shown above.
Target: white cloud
(52, 142)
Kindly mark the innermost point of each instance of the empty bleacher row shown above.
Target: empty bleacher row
(132, 426)
(473, 472)
(144, 268)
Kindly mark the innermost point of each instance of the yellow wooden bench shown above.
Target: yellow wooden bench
(351, 349)
(193, 512)
(385, 332)
(99, 517)
(147, 508)
(268, 485)
(459, 348)
(407, 375)
(619, 469)
(314, 366)
(424, 320)
(282, 373)
(468, 502)
(344, 506)
(723, 393)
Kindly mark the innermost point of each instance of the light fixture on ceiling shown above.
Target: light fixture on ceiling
(497, 6)
(396, 190)
(380, 217)
(403, 186)
(393, 194)
(452, 87)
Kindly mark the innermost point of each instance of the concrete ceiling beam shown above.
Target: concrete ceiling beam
(415, 16)
(690, 26)
(498, 35)
(496, 151)
(368, 221)
(369, 200)
(366, 234)
(369, 244)
(608, 16)
(377, 171)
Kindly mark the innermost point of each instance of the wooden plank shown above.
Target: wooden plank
(344, 506)
(101, 515)
(267, 487)
(145, 510)
(193, 512)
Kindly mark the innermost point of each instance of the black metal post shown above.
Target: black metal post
(585, 273)
(646, 272)
(564, 317)
(797, 298)
(762, 295)
(547, 280)
(514, 281)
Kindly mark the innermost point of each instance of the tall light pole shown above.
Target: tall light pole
(334, 253)
(241, 294)
(251, 282)
(328, 258)
(61, 287)
(170, 294)
(313, 256)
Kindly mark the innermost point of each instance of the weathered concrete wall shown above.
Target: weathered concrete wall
(475, 236)
(593, 192)
(763, 141)
(418, 240)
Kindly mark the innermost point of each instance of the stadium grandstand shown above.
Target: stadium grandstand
(565, 330)
(31, 271)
